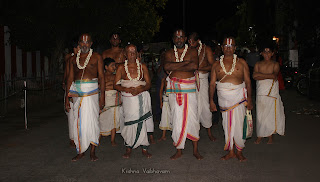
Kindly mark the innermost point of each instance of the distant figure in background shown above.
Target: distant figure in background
(277, 58)
(160, 75)
(166, 121)
(270, 110)
(115, 52)
(252, 58)
(71, 121)
(206, 60)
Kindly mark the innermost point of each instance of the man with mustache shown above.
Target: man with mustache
(86, 70)
(181, 62)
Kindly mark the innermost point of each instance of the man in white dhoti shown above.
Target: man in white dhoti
(166, 121)
(111, 115)
(133, 81)
(232, 87)
(84, 70)
(182, 63)
(206, 60)
(270, 110)
(69, 114)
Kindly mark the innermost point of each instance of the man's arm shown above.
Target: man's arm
(212, 89)
(117, 78)
(246, 76)
(187, 65)
(210, 57)
(147, 79)
(261, 76)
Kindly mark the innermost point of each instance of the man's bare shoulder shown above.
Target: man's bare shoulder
(243, 62)
(96, 55)
(216, 64)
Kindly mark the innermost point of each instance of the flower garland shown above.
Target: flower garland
(234, 62)
(86, 61)
(200, 47)
(127, 71)
(183, 53)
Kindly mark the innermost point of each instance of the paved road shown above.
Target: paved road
(42, 152)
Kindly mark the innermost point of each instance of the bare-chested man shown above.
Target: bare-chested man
(115, 52)
(206, 60)
(182, 62)
(270, 110)
(111, 115)
(82, 84)
(234, 91)
(133, 81)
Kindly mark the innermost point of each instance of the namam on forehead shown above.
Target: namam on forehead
(115, 36)
(229, 41)
(131, 48)
(85, 38)
(179, 33)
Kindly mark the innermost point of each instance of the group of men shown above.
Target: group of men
(99, 102)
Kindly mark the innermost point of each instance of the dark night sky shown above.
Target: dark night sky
(201, 17)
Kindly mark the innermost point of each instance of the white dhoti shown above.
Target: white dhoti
(232, 99)
(86, 111)
(137, 116)
(111, 114)
(165, 123)
(205, 115)
(270, 110)
(184, 110)
(71, 120)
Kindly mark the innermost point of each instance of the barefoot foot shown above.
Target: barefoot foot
(152, 140)
(212, 138)
(270, 140)
(176, 155)
(240, 156)
(77, 157)
(162, 139)
(228, 156)
(198, 156)
(93, 157)
(113, 143)
(127, 154)
(146, 153)
(258, 140)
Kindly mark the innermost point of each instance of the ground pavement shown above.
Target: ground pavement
(42, 153)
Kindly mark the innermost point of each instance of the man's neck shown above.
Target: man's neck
(109, 73)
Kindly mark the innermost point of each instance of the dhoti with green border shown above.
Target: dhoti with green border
(137, 111)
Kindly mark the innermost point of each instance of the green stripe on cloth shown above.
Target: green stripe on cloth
(181, 91)
(141, 119)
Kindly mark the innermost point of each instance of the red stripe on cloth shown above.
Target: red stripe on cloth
(184, 120)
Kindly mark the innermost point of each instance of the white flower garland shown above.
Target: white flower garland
(127, 71)
(86, 61)
(200, 47)
(183, 53)
(234, 62)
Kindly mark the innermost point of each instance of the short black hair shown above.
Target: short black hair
(267, 45)
(194, 36)
(108, 61)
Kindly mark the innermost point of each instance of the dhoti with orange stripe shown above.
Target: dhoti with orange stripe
(111, 115)
(184, 110)
(270, 110)
(86, 113)
(232, 100)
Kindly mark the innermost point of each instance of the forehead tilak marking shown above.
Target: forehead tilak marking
(115, 36)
